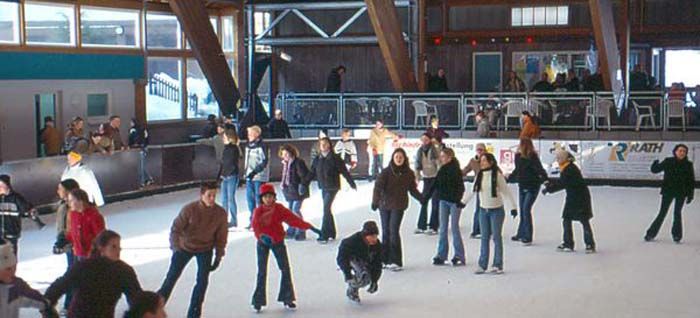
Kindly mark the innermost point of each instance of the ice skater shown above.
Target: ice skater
(199, 231)
(62, 245)
(390, 196)
(473, 166)
(679, 186)
(15, 293)
(450, 188)
(78, 171)
(267, 226)
(427, 164)
(294, 186)
(85, 223)
(256, 167)
(13, 207)
(577, 206)
(530, 175)
(360, 260)
(347, 150)
(491, 188)
(229, 174)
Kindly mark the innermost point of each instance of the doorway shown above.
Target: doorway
(44, 106)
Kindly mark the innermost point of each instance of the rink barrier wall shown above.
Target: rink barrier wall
(181, 166)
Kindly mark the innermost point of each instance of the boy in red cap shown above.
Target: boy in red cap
(267, 226)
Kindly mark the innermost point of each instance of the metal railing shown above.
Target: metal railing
(556, 111)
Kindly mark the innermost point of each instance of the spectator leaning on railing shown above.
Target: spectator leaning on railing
(111, 130)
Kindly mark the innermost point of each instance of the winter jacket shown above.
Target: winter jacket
(298, 173)
(267, 220)
(542, 86)
(62, 211)
(486, 198)
(75, 140)
(229, 160)
(333, 82)
(473, 166)
(437, 133)
(138, 137)
(18, 295)
(437, 84)
(483, 129)
(13, 207)
(327, 170)
(528, 172)
(217, 142)
(426, 161)
(83, 229)
(392, 187)
(679, 177)
(530, 129)
(347, 150)
(354, 248)
(578, 198)
(279, 129)
(97, 284)
(257, 156)
(116, 136)
(51, 140)
(199, 228)
(448, 183)
(377, 139)
(86, 180)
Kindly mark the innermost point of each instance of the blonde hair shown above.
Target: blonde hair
(255, 129)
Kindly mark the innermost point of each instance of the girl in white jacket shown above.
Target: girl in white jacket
(79, 172)
(491, 187)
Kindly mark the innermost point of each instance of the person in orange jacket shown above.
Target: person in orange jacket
(531, 129)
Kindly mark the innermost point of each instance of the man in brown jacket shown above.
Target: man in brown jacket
(474, 166)
(50, 138)
(200, 229)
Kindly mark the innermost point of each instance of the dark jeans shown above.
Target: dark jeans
(328, 224)
(476, 228)
(527, 200)
(362, 277)
(377, 161)
(177, 265)
(70, 260)
(286, 288)
(252, 193)
(391, 235)
(569, 233)
(293, 232)
(429, 183)
(677, 228)
(144, 176)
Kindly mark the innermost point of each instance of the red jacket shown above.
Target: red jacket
(268, 221)
(83, 228)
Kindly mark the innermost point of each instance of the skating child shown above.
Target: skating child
(267, 226)
(15, 293)
(347, 150)
(359, 257)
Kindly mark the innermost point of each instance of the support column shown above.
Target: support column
(422, 27)
(606, 41)
(140, 100)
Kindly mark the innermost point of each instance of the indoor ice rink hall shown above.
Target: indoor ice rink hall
(349, 158)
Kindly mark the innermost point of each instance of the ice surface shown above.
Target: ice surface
(626, 278)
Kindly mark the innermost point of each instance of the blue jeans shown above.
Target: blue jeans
(377, 162)
(293, 232)
(252, 194)
(491, 223)
(144, 177)
(177, 265)
(475, 222)
(450, 212)
(70, 259)
(527, 200)
(228, 197)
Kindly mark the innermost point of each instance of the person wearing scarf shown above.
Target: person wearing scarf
(390, 196)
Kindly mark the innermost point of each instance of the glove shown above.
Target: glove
(688, 200)
(461, 205)
(250, 176)
(374, 207)
(373, 287)
(316, 231)
(514, 213)
(544, 191)
(266, 240)
(215, 265)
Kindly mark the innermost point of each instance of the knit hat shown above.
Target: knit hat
(370, 228)
(6, 180)
(75, 156)
(7, 256)
(267, 188)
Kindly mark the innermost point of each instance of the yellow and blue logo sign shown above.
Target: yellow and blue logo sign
(621, 150)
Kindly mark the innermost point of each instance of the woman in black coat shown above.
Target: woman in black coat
(530, 175)
(577, 206)
(293, 184)
(391, 197)
(678, 185)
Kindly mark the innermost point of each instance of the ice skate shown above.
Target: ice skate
(480, 271)
(496, 271)
(457, 262)
(438, 261)
(590, 249)
(257, 308)
(564, 248)
(290, 305)
(419, 231)
(353, 295)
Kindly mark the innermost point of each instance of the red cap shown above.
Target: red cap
(266, 188)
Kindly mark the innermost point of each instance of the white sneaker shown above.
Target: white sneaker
(418, 231)
(431, 232)
(496, 271)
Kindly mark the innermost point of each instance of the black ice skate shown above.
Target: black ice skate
(290, 305)
(257, 308)
(564, 248)
(457, 262)
(590, 249)
(353, 295)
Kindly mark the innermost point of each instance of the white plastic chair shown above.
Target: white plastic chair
(514, 109)
(535, 106)
(676, 109)
(470, 110)
(601, 110)
(423, 110)
(643, 112)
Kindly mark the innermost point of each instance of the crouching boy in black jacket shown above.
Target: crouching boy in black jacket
(359, 257)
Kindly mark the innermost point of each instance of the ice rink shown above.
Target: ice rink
(626, 278)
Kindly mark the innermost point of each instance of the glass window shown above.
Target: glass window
(49, 24)
(9, 22)
(563, 13)
(98, 105)
(262, 21)
(200, 99)
(163, 31)
(109, 27)
(164, 89)
(539, 16)
(516, 16)
(527, 16)
(228, 34)
(551, 16)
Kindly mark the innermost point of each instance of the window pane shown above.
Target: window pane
(163, 92)
(100, 27)
(228, 34)
(527, 16)
(563, 13)
(9, 22)
(551, 18)
(162, 31)
(97, 105)
(51, 24)
(539, 16)
(516, 16)
(200, 99)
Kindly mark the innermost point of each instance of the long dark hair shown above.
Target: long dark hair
(101, 241)
(144, 302)
(495, 170)
(404, 166)
(81, 195)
